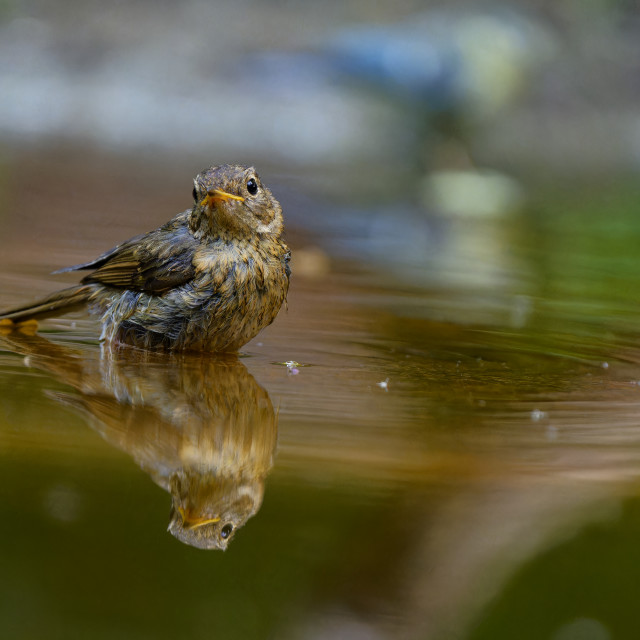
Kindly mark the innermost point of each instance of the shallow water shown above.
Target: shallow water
(452, 450)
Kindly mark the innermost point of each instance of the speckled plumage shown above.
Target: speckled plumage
(208, 280)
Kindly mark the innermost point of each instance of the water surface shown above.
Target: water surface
(430, 443)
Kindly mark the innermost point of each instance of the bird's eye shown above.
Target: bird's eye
(195, 194)
(225, 532)
(252, 186)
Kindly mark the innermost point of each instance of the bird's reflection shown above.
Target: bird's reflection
(198, 424)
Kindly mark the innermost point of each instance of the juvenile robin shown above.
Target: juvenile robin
(208, 280)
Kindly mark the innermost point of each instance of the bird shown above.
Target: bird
(208, 280)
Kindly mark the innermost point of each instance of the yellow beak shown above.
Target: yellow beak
(218, 195)
(194, 522)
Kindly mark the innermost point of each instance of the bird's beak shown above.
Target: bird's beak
(194, 522)
(218, 195)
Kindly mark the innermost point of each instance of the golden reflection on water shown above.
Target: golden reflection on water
(199, 425)
(500, 432)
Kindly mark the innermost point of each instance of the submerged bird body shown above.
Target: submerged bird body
(208, 280)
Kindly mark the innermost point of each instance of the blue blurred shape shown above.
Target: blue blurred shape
(467, 60)
(407, 63)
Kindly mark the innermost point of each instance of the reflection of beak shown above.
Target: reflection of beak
(218, 195)
(194, 522)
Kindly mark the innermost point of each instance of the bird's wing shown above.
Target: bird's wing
(154, 262)
(100, 260)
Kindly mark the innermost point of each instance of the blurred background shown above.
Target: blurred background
(532, 88)
(379, 125)
(456, 375)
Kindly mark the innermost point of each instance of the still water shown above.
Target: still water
(425, 444)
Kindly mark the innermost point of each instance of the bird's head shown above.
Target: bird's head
(208, 508)
(231, 201)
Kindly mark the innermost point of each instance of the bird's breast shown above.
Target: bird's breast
(237, 267)
(243, 281)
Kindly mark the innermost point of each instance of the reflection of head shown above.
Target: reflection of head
(208, 509)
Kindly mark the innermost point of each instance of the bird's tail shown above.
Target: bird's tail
(59, 302)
